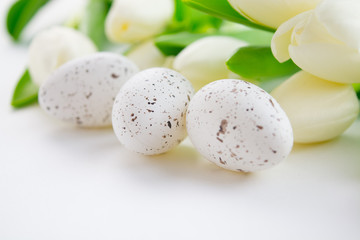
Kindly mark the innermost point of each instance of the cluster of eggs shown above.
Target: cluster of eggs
(232, 123)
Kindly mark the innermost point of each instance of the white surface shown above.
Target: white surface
(59, 182)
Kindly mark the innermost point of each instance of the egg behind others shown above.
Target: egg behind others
(238, 126)
(149, 111)
(82, 91)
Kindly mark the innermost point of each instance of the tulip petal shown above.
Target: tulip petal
(203, 61)
(272, 13)
(342, 20)
(222, 9)
(282, 37)
(329, 61)
(318, 110)
(53, 47)
(312, 30)
(147, 55)
(136, 20)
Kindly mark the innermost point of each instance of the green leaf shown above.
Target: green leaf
(258, 63)
(179, 13)
(222, 9)
(20, 14)
(26, 92)
(172, 44)
(93, 22)
(357, 89)
(191, 20)
(254, 37)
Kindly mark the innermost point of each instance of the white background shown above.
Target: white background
(61, 182)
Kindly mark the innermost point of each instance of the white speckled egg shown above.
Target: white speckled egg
(149, 111)
(238, 126)
(83, 90)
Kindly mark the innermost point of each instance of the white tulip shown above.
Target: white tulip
(324, 42)
(147, 55)
(203, 61)
(272, 13)
(169, 62)
(54, 47)
(318, 110)
(136, 20)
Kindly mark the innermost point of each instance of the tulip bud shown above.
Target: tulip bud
(203, 61)
(147, 55)
(272, 13)
(324, 42)
(136, 20)
(318, 110)
(54, 47)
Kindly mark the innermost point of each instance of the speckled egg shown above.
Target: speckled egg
(238, 126)
(149, 111)
(82, 91)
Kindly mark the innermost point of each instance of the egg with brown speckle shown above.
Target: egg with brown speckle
(149, 111)
(238, 126)
(82, 91)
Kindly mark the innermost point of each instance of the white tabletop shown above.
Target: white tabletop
(61, 182)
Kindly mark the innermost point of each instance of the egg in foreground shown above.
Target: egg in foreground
(238, 126)
(149, 111)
